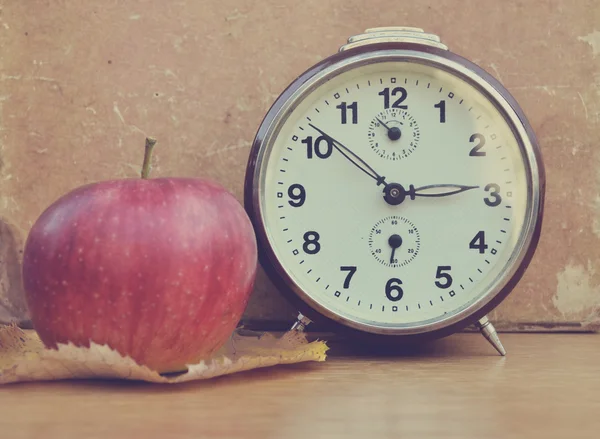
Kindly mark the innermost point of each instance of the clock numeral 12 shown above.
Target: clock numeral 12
(353, 107)
(397, 103)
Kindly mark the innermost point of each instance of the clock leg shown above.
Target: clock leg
(489, 332)
(301, 322)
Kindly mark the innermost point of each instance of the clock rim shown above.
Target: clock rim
(277, 274)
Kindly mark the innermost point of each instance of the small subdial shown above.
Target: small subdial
(394, 241)
(394, 134)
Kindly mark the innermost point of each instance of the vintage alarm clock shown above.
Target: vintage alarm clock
(396, 189)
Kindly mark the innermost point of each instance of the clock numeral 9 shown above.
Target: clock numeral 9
(444, 279)
(397, 103)
(297, 195)
(344, 107)
(475, 151)
(311, 244)
(393, 291)
(320, 150)
(478, 242)
(496, 199)
(351, 271)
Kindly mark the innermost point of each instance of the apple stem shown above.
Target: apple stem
(150, 142)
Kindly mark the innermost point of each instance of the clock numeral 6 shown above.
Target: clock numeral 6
(297, 195)
(478, 242)
(496, 199)
(322, 147)
(351, 271)
(311, 244)
(393, 291)
(445, 277)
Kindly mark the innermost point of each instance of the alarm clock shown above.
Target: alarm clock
(396, 190)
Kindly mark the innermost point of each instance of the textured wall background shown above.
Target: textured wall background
(82, 84)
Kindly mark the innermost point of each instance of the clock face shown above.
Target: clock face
(394, 194)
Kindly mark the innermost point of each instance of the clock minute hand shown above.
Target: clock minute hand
(438, 190)
(353, 158)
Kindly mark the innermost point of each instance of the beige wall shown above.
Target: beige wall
(82, 83)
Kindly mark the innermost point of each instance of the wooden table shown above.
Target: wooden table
(547, 387)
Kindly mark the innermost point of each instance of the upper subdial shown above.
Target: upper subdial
(394, 241)
(394, 134)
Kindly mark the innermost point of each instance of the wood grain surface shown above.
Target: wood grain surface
(547, 387)
(82, 83)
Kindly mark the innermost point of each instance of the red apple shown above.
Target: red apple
(157, 269)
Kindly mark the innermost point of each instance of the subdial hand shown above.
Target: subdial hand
(394, 241)
(353, 158)
(393, 133)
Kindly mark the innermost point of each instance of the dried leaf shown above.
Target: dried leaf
(23, 357)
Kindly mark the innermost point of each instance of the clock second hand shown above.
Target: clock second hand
(353, 158)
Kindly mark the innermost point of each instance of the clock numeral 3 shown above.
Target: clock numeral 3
(475, 151)
(351, 271)
(397, 103)
(496, 199)
(393, 291)
(344, 107)
(322, 147)
(311, 244)
(444, 279)
(297, 195)
(478, 242)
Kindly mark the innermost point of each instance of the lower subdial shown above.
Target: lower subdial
(394, 134)
(394, 241)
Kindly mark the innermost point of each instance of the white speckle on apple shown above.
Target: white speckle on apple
(188, 292)
(115, 219)
(96, 239)
(52, 306)
(180, 273)
(139, 274)
(70, 307)
(105, 280)
(206, 268)
(113, 236)
(100, 268)
(46, 288)
(53, 293)
(96, 296)
(64, 282)
(145, 255)
(164, 203)
(60, 256)
(75, 224)
(100, 311)
(218, 277)
(80, 259)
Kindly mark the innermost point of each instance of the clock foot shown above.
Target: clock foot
(489, 332)
(301, 322)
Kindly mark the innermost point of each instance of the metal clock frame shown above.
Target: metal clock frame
(405, 45)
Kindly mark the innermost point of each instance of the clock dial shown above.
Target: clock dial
(393, 194)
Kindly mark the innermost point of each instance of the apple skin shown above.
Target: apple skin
(158, 269)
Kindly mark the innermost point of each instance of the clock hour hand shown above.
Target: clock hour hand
(353, 158)
(437, 190)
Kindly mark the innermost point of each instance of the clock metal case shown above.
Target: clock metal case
(460, 67)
